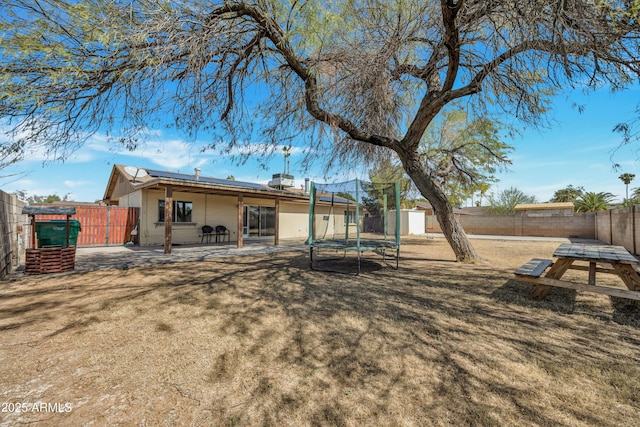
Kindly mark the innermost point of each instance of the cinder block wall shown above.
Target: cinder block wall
(578, 225)
(620, 226)
(603, 226)
(12, 243)
(489, 224)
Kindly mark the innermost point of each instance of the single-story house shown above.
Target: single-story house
(175, 206)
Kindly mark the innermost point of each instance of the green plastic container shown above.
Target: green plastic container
(54, 233)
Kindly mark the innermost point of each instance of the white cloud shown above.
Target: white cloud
(75, 184)
(167, 153)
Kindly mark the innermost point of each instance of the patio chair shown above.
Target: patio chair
(207, 230)
(221, 230)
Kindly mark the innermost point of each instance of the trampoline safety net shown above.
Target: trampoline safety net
(353, 216)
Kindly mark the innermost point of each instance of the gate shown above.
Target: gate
(102, 225)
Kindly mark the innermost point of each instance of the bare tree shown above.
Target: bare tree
(374, 74)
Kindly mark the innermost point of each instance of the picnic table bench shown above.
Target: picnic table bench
(620, 262)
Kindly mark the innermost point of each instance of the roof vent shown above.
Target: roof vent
(197, 173)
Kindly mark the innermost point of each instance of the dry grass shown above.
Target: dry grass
(262, 341)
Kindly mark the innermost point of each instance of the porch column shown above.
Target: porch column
(168, 217)
(276, 240)
(240, 208)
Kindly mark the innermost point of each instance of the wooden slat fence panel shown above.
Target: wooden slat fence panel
(121, 222)
(102, 225)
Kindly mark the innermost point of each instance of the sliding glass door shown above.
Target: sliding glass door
(258, 221)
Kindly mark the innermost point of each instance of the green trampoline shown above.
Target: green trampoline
(353, 217)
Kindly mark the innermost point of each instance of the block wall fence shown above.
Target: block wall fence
(619, 226)
(13, 227)
(581, 225)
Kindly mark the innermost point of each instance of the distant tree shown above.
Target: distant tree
(482, 190)
(231, 178)
(627, 178)
(593, 202)
(505, 202)
(568, 194)
(630, 202)
(346, 195)
(387, 171)
(35, 199)
(634, 200)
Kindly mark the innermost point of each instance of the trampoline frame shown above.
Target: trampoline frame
(359, 245)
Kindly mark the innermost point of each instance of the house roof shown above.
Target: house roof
(544, 206)
(121, 182)
(424, 206)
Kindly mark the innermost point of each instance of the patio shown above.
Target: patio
(123, 257)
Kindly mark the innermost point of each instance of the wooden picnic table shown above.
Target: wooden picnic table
(600, 258)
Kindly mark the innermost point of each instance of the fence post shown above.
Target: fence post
(610, 228)
(633, 227)
(108, 213)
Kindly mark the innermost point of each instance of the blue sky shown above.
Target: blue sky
(575, 150)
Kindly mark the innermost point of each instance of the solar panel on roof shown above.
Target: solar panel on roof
(334, 199)
(206, 179)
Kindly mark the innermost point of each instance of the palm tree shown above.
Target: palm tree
(592, 202)
(635, 198)
(627, 178)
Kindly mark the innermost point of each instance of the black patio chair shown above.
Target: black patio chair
(207, 230)
(221, 230)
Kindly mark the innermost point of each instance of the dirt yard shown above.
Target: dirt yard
(264, 341)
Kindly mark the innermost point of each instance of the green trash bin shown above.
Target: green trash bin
(54, 233)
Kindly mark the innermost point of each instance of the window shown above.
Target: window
(350, 217)
(181, 211)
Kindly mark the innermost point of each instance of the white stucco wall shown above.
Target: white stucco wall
(414, 222)
(411, 221)
(207, 210)
(216, 210)
(294, 220)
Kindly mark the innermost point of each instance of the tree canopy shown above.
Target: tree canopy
(371, 74)
(465, 153)
(505, 202)
(51, 198)
(593, 202)
(384, 172)
(567, 194)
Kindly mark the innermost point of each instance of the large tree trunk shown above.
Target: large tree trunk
(451, 228)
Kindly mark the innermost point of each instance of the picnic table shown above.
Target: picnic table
(599, 258)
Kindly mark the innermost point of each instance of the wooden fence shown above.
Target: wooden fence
(102, 225)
